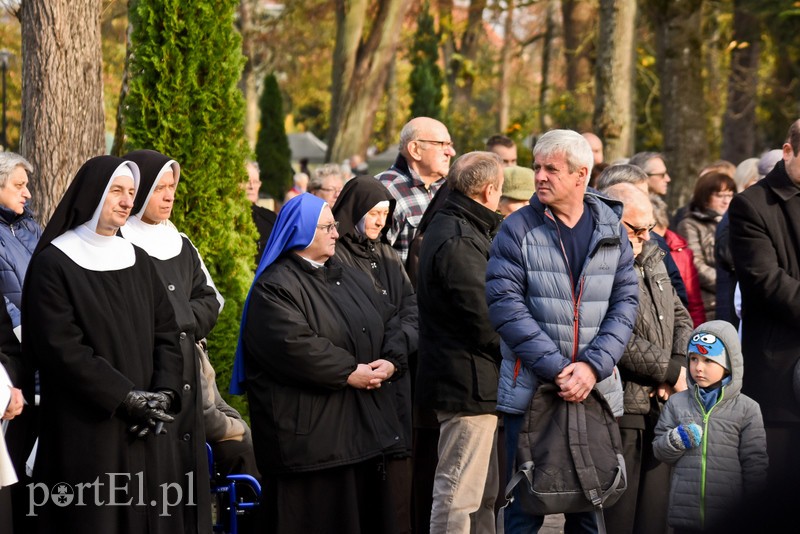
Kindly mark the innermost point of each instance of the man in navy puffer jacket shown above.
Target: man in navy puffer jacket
(562, 295)
(19, 232)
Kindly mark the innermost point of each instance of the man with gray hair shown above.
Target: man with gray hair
(19, 234)
(562, 295)
(327, 182)
(459, 351)
(417, 174)
(622, 173)
(631, 174)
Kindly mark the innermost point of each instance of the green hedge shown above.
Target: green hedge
(183, 100)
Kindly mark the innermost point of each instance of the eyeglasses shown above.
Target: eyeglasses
(661, 174)
(640, 232)
(334, 190)
(328, 228)
(441, 144)
(723, 196)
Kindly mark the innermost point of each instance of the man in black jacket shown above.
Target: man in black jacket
(765, 245)
(459, 351)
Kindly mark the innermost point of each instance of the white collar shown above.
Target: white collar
(314, 264)
(161, 241)
(95, 252)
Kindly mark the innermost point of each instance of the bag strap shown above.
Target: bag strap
(581, 456)
(525, 471)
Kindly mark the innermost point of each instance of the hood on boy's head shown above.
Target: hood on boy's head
(710, 346)
(717, 341)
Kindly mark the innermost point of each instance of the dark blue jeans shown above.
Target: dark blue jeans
(515, 519)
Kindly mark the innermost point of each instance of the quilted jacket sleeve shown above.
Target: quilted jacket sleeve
(663, 450)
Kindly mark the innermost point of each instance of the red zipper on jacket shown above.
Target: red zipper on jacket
(576, 320)
(576, 302)
(517, 367)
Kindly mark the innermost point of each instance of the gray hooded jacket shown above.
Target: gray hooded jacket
(730, 465)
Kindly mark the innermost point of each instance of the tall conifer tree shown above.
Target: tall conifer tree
(272, 146)
(426, 76)
(183, 100)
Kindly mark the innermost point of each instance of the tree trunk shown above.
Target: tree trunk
(548, 46)
(739, 123)
(62, 94)
(579, 20)
(462, 55)
(390, 129)
(714, 73)
(615, 70)
(505, 68)
(679, 55)
(248, 81)
(360, 68)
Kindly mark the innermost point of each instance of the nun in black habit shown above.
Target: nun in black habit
(362, 209)
(100, 328)
(196, 303)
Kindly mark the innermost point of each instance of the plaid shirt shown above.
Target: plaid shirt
(413, 198)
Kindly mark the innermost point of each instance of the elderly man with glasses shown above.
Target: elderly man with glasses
(652, 368)
(416, 176)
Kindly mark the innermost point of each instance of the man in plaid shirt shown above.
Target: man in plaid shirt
(419, 171)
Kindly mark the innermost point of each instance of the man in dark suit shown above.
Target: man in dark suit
(765, 245)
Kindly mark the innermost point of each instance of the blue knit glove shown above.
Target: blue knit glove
(685, 437)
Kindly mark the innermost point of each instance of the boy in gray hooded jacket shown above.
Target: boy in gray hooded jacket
(712, 434)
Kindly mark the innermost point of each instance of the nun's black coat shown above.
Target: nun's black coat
(378, 259)
(194, 301)
(94, 336)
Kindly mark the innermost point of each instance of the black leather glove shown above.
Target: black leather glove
(145, 412)
(161, 400)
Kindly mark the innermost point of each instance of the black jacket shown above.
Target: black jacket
(726, 274)
(306, 331)
(459, 350)
(381, 262)
(765, 244)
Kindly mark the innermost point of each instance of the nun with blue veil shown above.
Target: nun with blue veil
(317, 342)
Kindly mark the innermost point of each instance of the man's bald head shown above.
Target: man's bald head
(597, 146)
(419, 128)
(427, 148)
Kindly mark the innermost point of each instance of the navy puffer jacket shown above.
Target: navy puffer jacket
(543, 327)
(19, 234)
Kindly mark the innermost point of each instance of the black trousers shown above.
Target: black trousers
(643, 506)
(357, 499)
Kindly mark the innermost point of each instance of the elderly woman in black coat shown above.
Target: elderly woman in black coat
(317, 350)
(362, 210)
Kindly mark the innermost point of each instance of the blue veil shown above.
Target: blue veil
(294, 230)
